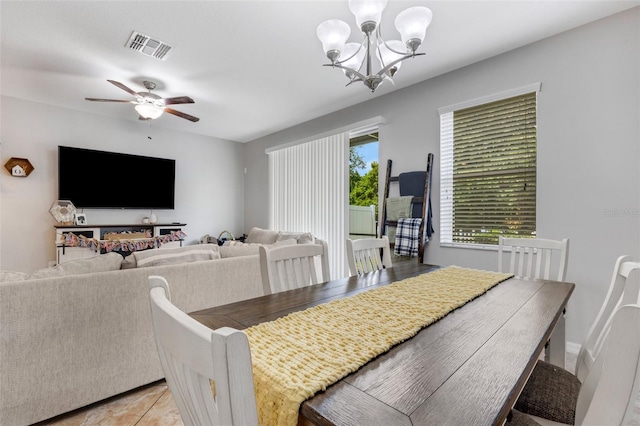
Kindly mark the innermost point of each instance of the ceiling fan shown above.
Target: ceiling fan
(149, 105)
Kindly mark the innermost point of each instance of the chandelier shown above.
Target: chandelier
(355, 58)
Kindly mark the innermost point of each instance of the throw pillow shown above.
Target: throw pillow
(287, 242)
(261, 236)
(129, 262)
(13, 276)
(102, 263)
(173, 256)
(300, 237)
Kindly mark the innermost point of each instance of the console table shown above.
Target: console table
(66, 251)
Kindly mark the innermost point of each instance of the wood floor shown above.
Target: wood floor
(150, 405)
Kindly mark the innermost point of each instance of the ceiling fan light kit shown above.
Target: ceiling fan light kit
(355, 58)
(150, 106)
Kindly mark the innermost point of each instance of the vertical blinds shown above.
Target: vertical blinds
(309, 188)
(492, 189)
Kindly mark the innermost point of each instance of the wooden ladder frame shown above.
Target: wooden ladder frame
(424, 200)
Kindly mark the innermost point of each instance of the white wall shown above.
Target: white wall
(209, 177)
(588, 147)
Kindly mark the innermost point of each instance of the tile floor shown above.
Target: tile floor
(150, 405)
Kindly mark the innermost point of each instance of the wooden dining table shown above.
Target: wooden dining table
(468, 368)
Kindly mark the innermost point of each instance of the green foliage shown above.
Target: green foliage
(364, 191)
(355, 162)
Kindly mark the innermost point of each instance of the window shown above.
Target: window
(363, 185)
(309, 188)
(488, 169)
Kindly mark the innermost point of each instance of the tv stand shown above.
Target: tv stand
(85, 241)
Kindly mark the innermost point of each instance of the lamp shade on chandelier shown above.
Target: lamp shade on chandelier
(355, 59)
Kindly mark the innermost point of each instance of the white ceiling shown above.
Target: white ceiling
(252, 67)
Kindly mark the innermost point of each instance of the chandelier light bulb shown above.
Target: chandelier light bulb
(366, 12)
(333, 34)
(149, 110)
(412, 25)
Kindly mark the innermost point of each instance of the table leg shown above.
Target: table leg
(555, 353)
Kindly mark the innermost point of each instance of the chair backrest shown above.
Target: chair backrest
(293, 266)
(608, 394)
(622, 291)
(363, 255)
(523, 251)
(198, 361)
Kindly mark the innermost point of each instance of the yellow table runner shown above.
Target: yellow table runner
(298, 355)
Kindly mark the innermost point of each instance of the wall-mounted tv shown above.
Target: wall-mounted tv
(108, 180)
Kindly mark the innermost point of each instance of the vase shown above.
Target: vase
(153, 218)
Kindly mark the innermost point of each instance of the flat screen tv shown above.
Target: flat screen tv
(108, 180)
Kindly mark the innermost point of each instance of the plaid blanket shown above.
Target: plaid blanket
(407, 237)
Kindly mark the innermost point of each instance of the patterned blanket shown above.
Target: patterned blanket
(407, 237)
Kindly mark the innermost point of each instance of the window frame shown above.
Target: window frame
(446, 161)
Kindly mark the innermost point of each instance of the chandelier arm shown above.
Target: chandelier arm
(395, 51)
(378, 38)
(355, 53)
(360, 76)
(391, 64)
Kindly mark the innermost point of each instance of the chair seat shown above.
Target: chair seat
(517, 418)
(551, 392)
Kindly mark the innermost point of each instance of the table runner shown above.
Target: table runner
(304, 352)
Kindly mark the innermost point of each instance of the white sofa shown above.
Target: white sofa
(68, 341)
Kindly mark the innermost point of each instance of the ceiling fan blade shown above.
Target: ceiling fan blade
(178, 100)
(182, 114)
(109, 100)
(123, 87)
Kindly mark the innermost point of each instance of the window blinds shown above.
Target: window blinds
(309, 187)
(488, 184)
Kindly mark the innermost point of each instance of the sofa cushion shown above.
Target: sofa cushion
(234, 250)
(13, 276)
(300, 237)
(172, 256)
(105, 262)
(261, 236)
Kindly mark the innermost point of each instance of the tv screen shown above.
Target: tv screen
(110, 180)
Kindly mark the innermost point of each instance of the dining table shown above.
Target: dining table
(466, 368)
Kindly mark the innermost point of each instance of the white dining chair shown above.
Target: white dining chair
(622, 291)
(289, 267)
(363, 255)
(519, 254)
(608, 394)
(208, 371)
(522, 251)
(550, 390)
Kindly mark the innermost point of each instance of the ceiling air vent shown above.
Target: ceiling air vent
(148, 46)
